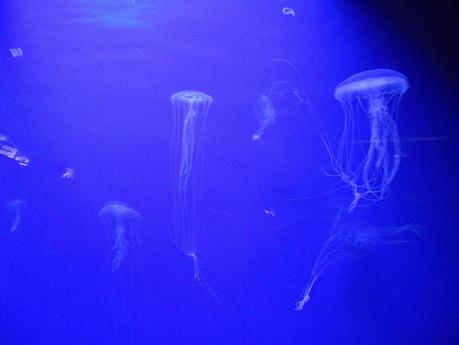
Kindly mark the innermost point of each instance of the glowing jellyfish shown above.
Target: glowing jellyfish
(123, 222)
(126, 289)
(15, 207)
(287, 11)
(264, 114)
(190, 114)
(353, 240)
(285, 93)
(368, 165)
(16, 52)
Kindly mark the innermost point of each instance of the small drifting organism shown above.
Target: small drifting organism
(353, 240)
(122, 221)
(287, 11)
(68, 174)
(16, 52)
(15, 208)
(270, 211)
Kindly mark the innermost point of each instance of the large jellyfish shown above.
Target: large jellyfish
(353, 240)
(120, 219)
(368, 165)
(15, 207)
(190, 114)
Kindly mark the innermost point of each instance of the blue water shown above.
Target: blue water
(90, 91)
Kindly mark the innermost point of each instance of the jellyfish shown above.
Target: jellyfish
(264, 114)
(15, 207)
(284, 93)
(351, 241)
(15, 52)
(368, 165)
(121, 219)
(287, 11)
(126, 283)
(190, 114)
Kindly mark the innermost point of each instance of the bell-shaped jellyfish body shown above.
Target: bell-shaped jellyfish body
(15, 208)
(190, 114)
(120, 219)
(351, 241)
(368, 165)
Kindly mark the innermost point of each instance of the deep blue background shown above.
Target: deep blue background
(92, 92)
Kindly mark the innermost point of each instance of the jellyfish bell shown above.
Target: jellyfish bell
(372, 84)
(15, 205)
(190, 96)
(118, 212)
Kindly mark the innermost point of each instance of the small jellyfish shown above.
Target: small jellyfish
(284, 94)
(121, 219)
(264, 114)
(368, 165)
(16, 52)
(190, 114)
(353, 240)
(15, 208)
(68, 174)
(287, 11)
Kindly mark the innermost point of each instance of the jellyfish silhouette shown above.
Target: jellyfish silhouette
(15, 208)
(264, 114)
(126, 283)
(368, 165)
(351, 241)
(285, 92)
(120, 219)
(190, 113)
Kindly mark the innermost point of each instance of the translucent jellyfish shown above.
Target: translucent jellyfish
(190, 114)
(287, 11)
(285, 93)
(369, 164)
(121, 219)
(15, 52)
(68, 174)
(264, 114)
(15, 208)
(351, 241)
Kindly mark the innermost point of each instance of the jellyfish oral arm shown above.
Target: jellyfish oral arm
(17, 220)
(120, 247)
(187, 148)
